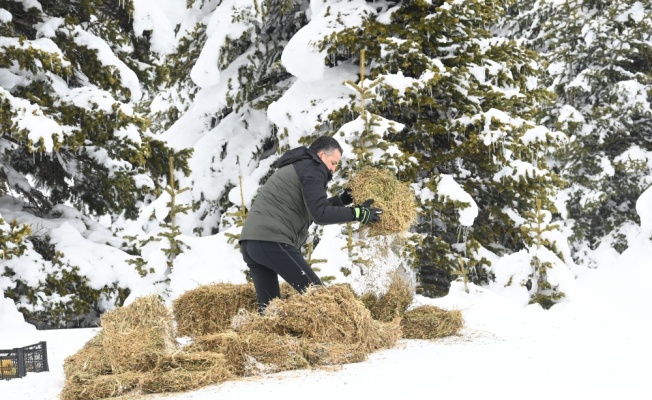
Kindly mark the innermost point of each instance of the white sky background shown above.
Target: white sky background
(595, 343)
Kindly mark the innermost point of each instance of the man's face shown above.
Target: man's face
(331, 159)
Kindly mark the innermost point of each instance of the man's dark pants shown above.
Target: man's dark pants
(268, 260)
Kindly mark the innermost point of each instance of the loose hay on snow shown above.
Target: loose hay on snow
(430, 322)
(209, 309)
(135, 336)
(330, 314)
(394, 197)
(391, 304)
(135, 352)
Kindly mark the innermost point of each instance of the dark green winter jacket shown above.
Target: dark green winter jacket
(291, 199)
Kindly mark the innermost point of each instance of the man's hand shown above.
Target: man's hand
(365, 213)
(346, 197)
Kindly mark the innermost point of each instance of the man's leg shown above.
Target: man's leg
(265, 280)
(286, 261)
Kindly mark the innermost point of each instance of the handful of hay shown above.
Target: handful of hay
(394, 197)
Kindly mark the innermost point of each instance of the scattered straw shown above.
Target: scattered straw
(393, 302)
(135, 353)
(209, 309)
(394, 197)
(430, 322)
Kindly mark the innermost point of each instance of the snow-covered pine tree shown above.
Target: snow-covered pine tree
(156, 253)
(600, 60)
(543, 258)
(222, 76)
(372, 259)
(469, 101)
(73, 74)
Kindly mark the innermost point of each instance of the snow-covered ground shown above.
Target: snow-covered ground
(595, 345)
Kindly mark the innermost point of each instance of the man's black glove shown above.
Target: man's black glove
(365, 213)
(346, 197)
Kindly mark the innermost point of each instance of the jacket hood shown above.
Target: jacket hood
(301, 153)
(294, 155)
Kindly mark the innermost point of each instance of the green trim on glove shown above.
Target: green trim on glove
(366, 215)
(362, 214)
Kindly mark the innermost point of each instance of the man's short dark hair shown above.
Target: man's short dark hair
(326, 144)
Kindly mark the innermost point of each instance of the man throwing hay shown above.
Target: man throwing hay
(277, 223)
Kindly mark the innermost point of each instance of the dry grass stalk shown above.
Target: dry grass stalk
(209, 309)
(394, 197)
(135, 336)
(393, 303)
(430, 322)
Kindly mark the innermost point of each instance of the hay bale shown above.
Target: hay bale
(330, 314)
(89, 362)
(135, 353)
(100, 387)
(173, 373)
(255, 353)
(394, 197)
(209, 309)
(430, 322)
(391, 304)
(134, 337)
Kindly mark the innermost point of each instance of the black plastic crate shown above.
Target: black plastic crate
(36, 357)
(12, 364)
(17, 362)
